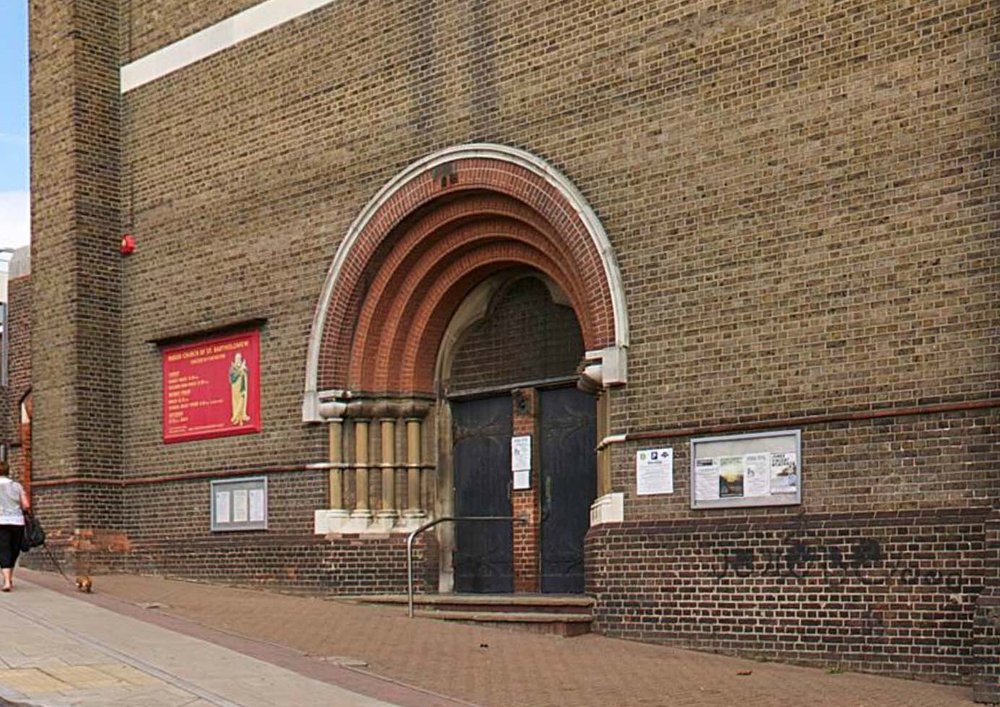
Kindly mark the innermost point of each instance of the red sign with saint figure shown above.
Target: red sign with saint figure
(212, 388)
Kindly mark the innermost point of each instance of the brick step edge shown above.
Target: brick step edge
(506, 617)
(541, 600)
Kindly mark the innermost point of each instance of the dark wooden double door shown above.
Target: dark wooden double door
(566, 487)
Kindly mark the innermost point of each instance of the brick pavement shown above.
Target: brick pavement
(495, 667)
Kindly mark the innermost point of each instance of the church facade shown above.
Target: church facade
(698, 300)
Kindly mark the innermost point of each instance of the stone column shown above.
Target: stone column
(336, 478)
(332, 519)
(402, 473)
(362, 506)
(414, 512)
(386, 516)
(361, 516)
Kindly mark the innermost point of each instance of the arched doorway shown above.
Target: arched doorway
(516, 369)
(464, 306)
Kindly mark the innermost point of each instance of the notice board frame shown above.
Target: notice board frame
(770, 442)
(228, 486)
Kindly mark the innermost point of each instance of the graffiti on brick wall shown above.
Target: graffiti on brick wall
(864, 561)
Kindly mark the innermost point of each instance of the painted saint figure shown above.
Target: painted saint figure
(238, 385)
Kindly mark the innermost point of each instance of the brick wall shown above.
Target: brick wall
(879, 569)
(986, 649)
(147, 26)
(882, 465)
(525, 503)
(776, 221)
(18, 367)
(986, 627)
(527, 337)
(182, 509)
(894, 593)
(799, 196)
(347, 565)
(76, 362)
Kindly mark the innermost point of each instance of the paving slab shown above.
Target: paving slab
(78, 653)
(489, 666)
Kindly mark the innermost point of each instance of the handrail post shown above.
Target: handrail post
(430, 524)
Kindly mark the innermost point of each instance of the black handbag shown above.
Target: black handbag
(34, 534)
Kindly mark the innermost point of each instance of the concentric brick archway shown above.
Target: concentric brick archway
(425, 241)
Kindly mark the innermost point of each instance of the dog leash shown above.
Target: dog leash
(58, 568)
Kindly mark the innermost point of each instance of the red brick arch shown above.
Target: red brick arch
(425, 244)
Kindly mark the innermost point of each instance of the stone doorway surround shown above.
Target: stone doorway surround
(426, 252)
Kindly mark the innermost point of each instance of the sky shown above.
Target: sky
(15, 222)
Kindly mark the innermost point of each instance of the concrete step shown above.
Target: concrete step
(496, 603)
(561, 615)
(567, 625)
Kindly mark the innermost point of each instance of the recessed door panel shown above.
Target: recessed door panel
(569, 485)
(483, 561)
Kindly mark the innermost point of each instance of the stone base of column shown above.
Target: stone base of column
(411, 519)
(385, 522)
(359, 522)
(609, 508)
(328, 521)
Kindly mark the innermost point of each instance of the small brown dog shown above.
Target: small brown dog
(83, 584)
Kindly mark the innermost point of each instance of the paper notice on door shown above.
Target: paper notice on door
(520, 453)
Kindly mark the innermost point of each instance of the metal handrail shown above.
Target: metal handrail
(430, 524)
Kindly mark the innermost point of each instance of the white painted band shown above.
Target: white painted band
(212, 40)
